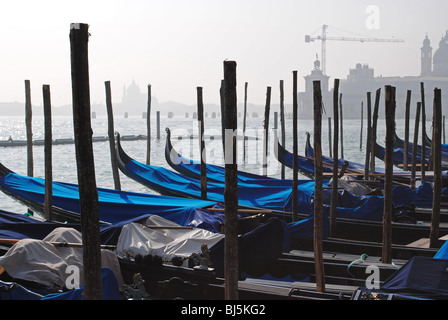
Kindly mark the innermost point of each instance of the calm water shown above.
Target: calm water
(64, 161)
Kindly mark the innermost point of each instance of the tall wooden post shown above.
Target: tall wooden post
(295, 209)
(406, 130)
(111, 135)
(318, 198)
(369, 136)
(202, 143)
(282, 122)
(414, 147)
(388, 184)
(423, 153)
(374, 126)
(329, 138)
(266, 131)
(148, 127)
(88, 194)
(362, 123)
(29, 132)
(29, 129)
(341, 119)
(158, 124)
(231, 184)
(48, 154)
(334, 194)
(437, 164)
(244, 122)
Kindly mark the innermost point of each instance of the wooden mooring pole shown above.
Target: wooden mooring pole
(48, 203)
(388, 184)
(329, 138)
(202, 143)
(437, 165)
(414, 147)
(318, 197)
(88, 194)
(341, 119)
(111, 135)
(369, 136)
(148, 127)
(334, 193)
(267, 110)
(295, 168)
(374, 129)
(423, 153)
(282, 122)
(158, 124)
(406, 130)
(362, 125)
(231, 185)
(244, 122)
(29, 131)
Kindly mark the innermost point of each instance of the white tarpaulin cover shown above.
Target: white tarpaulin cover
(44, 263)
(167, 243)
(354, 187)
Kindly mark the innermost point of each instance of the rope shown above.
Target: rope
(361, 259)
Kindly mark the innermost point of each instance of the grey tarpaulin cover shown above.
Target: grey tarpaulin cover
(42, 262)
(136, 238)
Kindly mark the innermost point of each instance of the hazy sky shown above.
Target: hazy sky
(178, 45)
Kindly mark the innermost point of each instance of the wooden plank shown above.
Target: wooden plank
(346, 257)
(444, 238)
(328, 286)
(420, 243)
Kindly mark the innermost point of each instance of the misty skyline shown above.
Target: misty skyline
(179, 45)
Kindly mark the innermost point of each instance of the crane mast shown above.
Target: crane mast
(324, 38)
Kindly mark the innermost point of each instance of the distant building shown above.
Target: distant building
(134, 101)
(362, 79)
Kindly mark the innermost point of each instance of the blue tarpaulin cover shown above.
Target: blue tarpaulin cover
(423, 277)
(114, 205)
(442, 253)
(259, 195)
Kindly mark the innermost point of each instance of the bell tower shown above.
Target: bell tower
(426, 57)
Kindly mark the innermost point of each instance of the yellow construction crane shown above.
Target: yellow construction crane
(323, 37)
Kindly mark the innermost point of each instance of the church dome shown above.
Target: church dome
(440, 58)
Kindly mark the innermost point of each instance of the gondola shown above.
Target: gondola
(114, 205)
(191, 168)
(305, 165)
(399, 159)
(399, 143)
(340, 269)
(258, 195)
(201, 282)
(361, 221)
